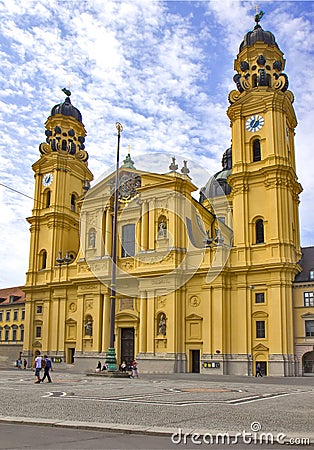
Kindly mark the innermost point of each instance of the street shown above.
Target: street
(153, 408)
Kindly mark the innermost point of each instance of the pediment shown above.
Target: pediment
(194, 317)
(70, 321)
(123, 316)
(308, 315)
(260, 348)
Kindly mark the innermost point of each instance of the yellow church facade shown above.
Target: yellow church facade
(203, 285)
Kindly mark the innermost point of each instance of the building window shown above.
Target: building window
(309, 328)
(6, 334)
(308, 298)
(92, 238)
(15, 314)
(1, 316)
(14, 331)
(260, 329)
(128, 240)
(73, 202)
(260, 297)
(39, 309)
(48, 198)
(22, 334)
(311, 274)
(43, 259)
(0, 333)
(23, 314)
(38, 332)
(256, 150)
(7, 316)
(259, 231)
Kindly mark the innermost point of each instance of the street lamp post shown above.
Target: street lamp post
(111, 359)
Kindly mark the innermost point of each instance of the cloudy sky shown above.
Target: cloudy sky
(162, 68)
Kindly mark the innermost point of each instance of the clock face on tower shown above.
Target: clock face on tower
(47, 179)
(254, 123)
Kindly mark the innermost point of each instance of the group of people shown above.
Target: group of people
(19, 363)
(42, 362)
(100, 367)
(123, 368)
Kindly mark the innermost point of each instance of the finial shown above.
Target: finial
(173, 166)
(119, 127)
(184, 169)
(258, 15)
(66, 91)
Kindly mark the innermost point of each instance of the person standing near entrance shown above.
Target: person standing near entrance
(47, 368)
(258, 370)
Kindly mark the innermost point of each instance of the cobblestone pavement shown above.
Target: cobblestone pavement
(162, 403)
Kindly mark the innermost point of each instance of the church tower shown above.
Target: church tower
(61, 176)
(264, 190)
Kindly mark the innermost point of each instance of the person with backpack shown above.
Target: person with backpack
(47, 366)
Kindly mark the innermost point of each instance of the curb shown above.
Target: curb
(128, 429)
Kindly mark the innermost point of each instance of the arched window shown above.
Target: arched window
(43, 259)
(6, 333)
(256, 150)
(14, 333)
(92, 238)
(22, 333)
(254, 80)
(259, 231)
(47, 198)
(73, 202)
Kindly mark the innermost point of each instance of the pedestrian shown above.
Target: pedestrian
(105, 366)
(98, 367)
(19, 363)
(258, 370)
(37, 365)
(134, 367)
(123, 366)
(25, 364)
(47, 367)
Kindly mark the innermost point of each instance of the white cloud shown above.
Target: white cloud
(164, 69)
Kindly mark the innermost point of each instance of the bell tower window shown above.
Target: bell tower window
(43, 259)
(73, 202)
(256, 150)
(47, 198)
(259, 231)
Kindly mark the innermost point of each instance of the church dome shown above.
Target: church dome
(67, 109)
(258, 35)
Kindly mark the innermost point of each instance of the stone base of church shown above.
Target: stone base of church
(161, 362)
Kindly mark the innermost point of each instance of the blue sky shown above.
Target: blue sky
(162, 68)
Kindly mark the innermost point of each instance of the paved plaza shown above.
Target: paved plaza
(162, 404)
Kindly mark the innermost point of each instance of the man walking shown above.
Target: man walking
(37, 365)
(47, 368)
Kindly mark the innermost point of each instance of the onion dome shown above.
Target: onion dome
(257, 35)
(218, 185)
(63, 135)
(66, 108)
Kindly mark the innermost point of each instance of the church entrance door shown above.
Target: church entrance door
(127, 345)
(195, 361)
